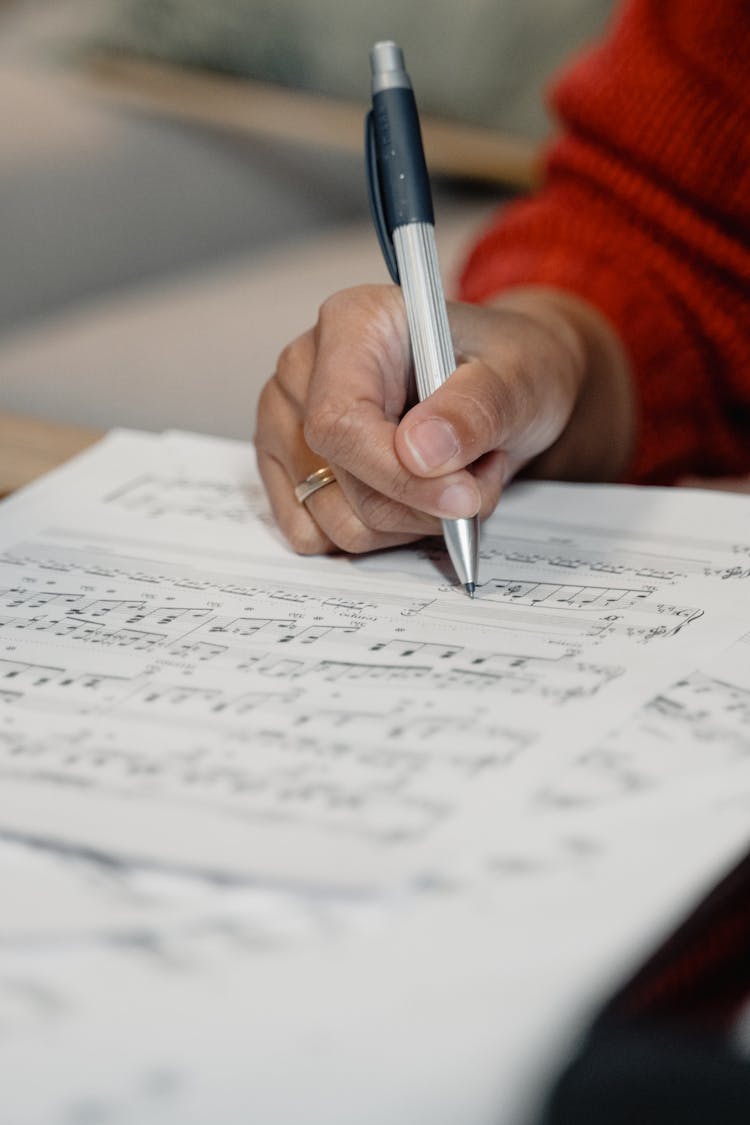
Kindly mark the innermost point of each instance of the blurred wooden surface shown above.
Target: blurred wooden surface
(30, 447)
(255, 108)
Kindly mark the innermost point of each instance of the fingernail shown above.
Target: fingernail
(459, 501)
(432, 443)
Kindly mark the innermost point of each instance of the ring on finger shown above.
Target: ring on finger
(312, 483)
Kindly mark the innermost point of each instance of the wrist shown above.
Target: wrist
(597, 442)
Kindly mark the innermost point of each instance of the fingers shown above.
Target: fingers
(330, 520)
(282, 455)
(342, 525)
(518, 396)
(338, 396)
(362, 348)
(294, 520)
(354, 514)
(362, 443)
(357, 393)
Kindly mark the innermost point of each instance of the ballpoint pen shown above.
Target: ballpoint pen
(401, 205)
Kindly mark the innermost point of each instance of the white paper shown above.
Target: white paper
(179, 686)
(266, 816)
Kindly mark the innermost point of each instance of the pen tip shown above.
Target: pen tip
(470, 588)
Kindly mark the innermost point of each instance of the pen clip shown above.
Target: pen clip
(376, 201)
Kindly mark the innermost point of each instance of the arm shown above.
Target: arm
(612, 340)
(645, 216)
(541, 381)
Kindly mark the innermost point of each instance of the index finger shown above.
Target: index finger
(357, 394)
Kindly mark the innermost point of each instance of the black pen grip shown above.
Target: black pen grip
(402, 171)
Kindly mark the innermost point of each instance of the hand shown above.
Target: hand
(541, 382)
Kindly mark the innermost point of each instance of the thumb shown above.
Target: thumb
(477, 410)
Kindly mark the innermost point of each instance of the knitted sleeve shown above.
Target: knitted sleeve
(645, 213)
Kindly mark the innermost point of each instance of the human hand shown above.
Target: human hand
(538, 380)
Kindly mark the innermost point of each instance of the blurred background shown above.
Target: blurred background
(181, 182)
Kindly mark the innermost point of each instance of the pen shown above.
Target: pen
(401, 205)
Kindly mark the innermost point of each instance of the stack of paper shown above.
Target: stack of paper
(322, 840)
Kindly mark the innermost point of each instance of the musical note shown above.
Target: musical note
(216, 756)
(300, 693)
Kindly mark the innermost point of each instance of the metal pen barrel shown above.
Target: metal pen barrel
(434, 360)
(407, 203)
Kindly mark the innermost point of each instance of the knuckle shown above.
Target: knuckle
(505, 398)
(330, 432)
(334, 305)
(489, 501)
(372, 314)
(317, 427)
(510, 384)
(476, 420)
(265, 411)
(304, 537)
(400, 484)
(294, 362)
(351, 535)
(376, 511)
(343, 302)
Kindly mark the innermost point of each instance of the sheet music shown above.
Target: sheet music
(141, 656)
(230, 772)
(449, 1008)
(697, 727)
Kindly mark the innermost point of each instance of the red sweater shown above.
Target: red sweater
(645, 212)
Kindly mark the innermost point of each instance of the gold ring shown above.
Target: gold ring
(319, 479)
